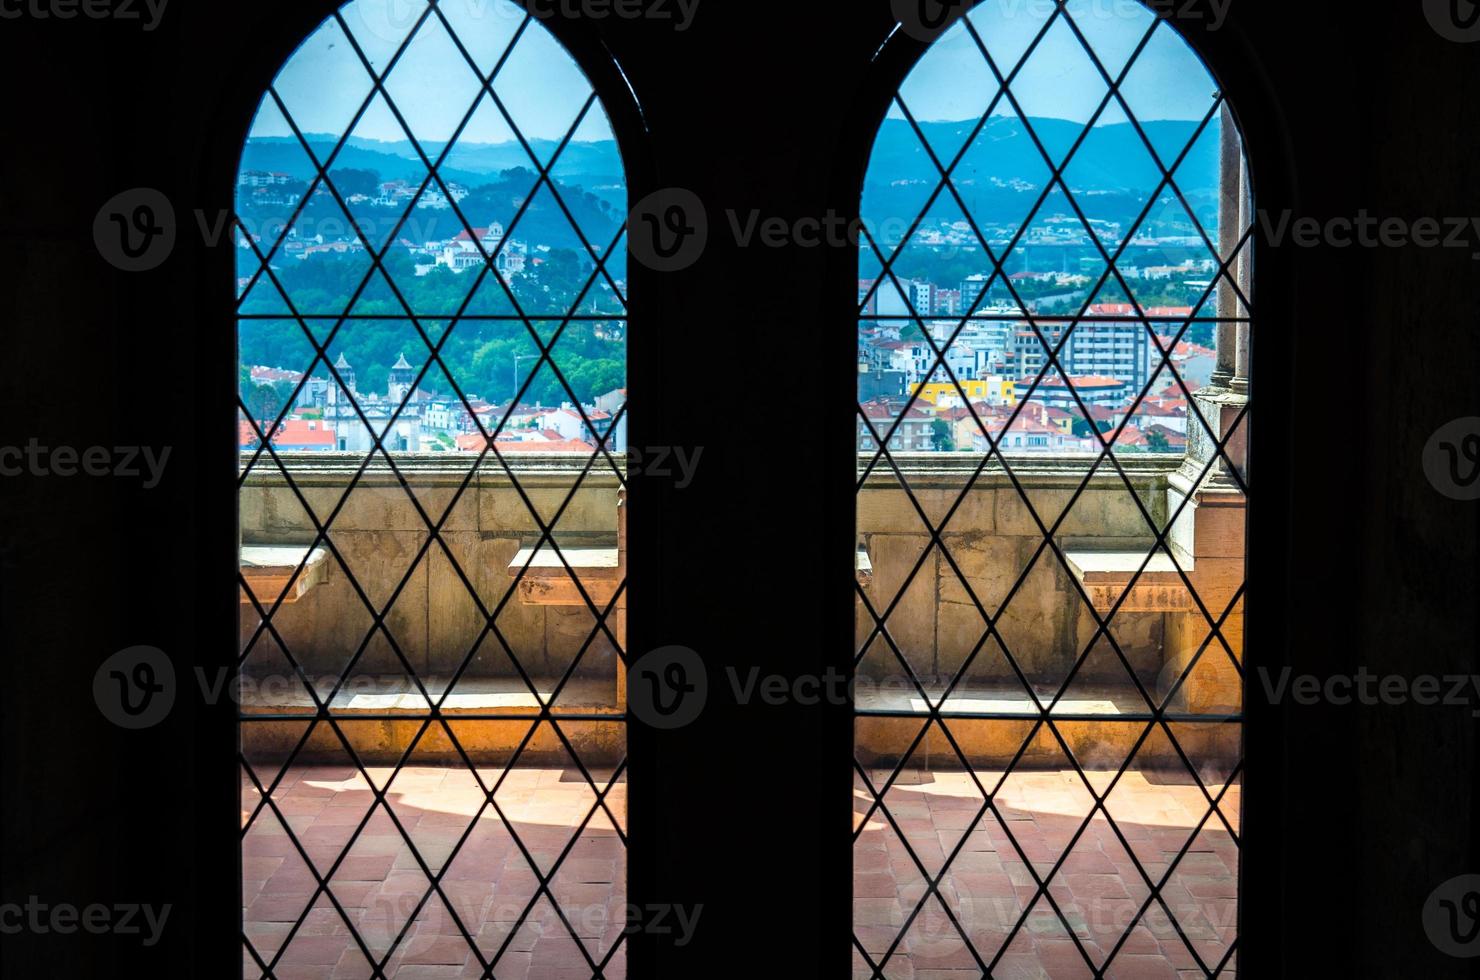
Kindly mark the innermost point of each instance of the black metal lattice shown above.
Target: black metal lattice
(433, 719)
(1043, 715)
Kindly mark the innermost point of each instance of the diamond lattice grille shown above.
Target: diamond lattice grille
(406, 807)
(1055, 319)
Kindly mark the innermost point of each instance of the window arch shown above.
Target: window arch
(1055, 319)
(431, 329)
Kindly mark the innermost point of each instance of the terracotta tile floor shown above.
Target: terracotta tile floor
(1098, 889)
(489, 884)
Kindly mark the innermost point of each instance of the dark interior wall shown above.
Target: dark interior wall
(1354, 814)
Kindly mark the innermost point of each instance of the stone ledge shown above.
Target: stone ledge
(473, 695)
(547, 581)
(318, 469)
(1106, 574)
(268, 568)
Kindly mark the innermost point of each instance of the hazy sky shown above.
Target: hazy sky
(1059, 80)
(324, 83)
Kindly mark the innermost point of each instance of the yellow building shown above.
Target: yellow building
(943, 394)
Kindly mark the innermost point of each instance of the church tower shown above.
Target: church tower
(347, 373)
(401, 378)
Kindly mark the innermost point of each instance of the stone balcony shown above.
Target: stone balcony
(992, 538)
(1041, 800)
(432, 614)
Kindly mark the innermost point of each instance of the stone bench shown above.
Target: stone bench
(268, 568)
(548, 582)
(382, 717)
(1105, 575)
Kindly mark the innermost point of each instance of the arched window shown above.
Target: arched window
(432, 333)
(1054, 324)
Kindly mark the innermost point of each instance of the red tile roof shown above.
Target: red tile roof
(291, 432)
(474, 442)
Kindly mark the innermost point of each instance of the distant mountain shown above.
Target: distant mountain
(1002, 173)
(596, 167)
(1112, 157)
(1000, 176)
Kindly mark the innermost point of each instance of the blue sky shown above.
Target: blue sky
(1059, 81)
(324, 83)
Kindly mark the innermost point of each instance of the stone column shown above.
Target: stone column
(1245, 266)
(1230, 168)
(619, 614)
(1208, 538)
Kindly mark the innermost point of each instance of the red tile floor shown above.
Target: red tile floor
(1098, 889)
(486, 888)
(379, 885)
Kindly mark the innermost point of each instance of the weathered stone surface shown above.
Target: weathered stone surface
(591, 509)
(989, 563)
(912, 623)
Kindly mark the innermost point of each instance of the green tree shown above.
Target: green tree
(941, 438)
(264, 402)
(352, 181)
